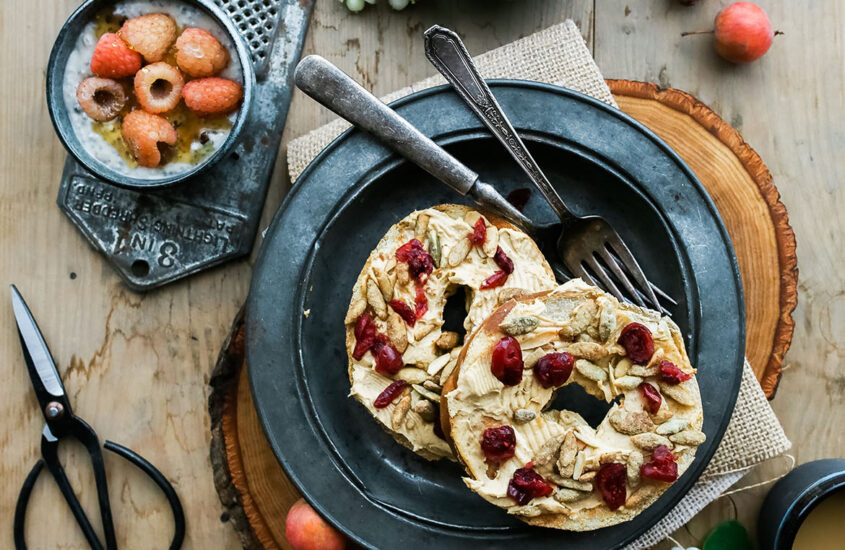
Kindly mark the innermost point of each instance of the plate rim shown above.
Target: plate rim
(253, 303)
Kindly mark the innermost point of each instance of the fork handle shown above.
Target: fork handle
(449, 55)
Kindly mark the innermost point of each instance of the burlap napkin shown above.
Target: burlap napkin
(558, 55)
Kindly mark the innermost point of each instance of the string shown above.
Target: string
(765, 482)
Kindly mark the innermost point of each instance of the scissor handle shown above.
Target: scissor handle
(49, 448)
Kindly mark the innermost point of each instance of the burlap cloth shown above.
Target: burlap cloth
(558, 55)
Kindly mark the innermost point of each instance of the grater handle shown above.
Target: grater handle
(337, 91)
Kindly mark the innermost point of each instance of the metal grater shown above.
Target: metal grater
(155, 237)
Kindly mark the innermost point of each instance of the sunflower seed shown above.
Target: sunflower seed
(612, 456)
(549, 450)
(521, 416)
(607, 320)
(434, 247)
(421, 330)
(447, 340)
(678, 393)
(692, 438)
(586, 435)
(632, 467)
(425, 409)
(628, 382)
(587, 476)
(672, 426)
(459, 252)
(579, 465)
(662, 415)
(412, 375)
(385, 285)
(630, 422)
(566, 459)
(568, 495)
(356, 308)
(375, 299)
(403, 276)
(643, 372)
(397, 332)
(433, 386)
(576, 485)
(587, 350)
(527, 511)
(649, 441)
(591, 370)
(400, 411)
(430, 395)
(510, 294)
(621, 368)
(440, 362)
(421, 226)
(514, 326)
(492, 242)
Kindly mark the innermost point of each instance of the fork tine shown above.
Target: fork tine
(620, 276)
(659, 292)
(607, 282)
(585, 275)
(627, 259)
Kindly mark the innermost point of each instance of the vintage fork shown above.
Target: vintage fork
(336, 90)
(589, 247)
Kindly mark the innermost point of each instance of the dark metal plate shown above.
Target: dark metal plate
(603, 162)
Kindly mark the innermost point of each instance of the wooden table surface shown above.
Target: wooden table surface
(137, 366)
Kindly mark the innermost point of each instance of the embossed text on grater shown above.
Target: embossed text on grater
(258, 22)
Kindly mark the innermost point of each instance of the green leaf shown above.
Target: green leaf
(730, 535)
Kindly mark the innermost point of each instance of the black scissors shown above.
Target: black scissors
(61, 423)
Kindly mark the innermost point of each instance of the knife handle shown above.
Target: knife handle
(338, 92)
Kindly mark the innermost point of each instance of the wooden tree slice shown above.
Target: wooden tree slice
(254, 488)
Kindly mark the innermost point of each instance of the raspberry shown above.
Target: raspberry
(611, 483)
(199, 54)
(143, 133)
(479, 233)
(150, 35)
(506, 363)
(527, 484)
(158, 87)
(112, 58)
(419, 261)
(101, 98)
(389, 394)
(651, 397)
(638, 343)
(671, 374)
(211, 96)
(498, 444)
(553, 369)
(662, 466)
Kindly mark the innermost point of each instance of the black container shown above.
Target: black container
(793, 498)
(65, 43)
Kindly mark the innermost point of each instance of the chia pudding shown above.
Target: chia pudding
(198, 134)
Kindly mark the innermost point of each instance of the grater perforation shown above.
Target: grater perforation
(258, 22)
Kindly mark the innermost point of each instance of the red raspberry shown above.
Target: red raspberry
(638, 343)
(389, 394)
(506, 363)
(671, 374)
(651, 397)
(479, 233)
(112, 58)
(527, 484)
(553, 369)
(662, 466)
(158, 87)
(199, 54)
(150, 35)
(611, 479)
(212, 96)
(498, 444)
(101, 98)
(143, 133)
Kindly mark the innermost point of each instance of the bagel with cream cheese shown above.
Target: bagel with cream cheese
(549, 467)
(399, 354)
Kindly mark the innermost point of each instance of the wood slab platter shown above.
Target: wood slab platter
(253, 487)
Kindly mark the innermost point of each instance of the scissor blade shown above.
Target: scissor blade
(42, 369)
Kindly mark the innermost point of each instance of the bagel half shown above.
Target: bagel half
(387, 285)
(571, 457)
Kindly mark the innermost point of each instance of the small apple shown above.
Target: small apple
(306, 530)
(743, 32)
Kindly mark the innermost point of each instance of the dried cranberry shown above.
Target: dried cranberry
(502, 260)
(365, 335)
(519, 198)
(661, 467)
(419, 261)
(611, 479)
(506, 364)
(651, 397)
(420, 302)
(527, 484)
(388, 360)
(389, 394)
(479, 233)
(671, 374)
(553, 369)
(638, 343)
(494, 280)
(404, 311)
(498, 444)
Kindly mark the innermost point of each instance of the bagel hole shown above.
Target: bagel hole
(161, 88)
(572, 397)
(455, 311)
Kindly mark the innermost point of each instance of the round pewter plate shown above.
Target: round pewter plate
(601, 161)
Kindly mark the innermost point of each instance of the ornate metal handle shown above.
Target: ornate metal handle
(449, 55)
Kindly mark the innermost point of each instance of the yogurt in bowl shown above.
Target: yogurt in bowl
(103, 146)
